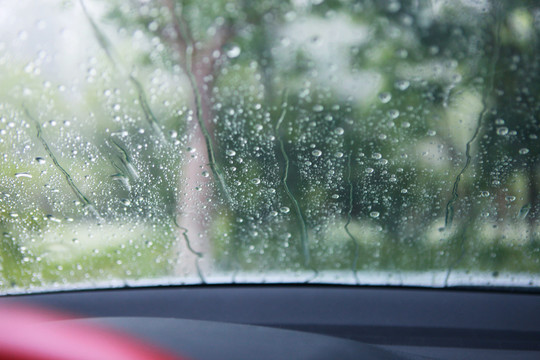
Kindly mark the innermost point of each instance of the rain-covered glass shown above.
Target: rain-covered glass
(331, 141)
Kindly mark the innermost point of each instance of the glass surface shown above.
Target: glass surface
(325, 141)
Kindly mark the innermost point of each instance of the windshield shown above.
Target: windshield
(325, 141)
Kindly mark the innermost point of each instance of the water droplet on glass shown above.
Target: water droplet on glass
(510, 198)
(402, 85)
(524, 211)
(205, 173)
(316, 153)
(256, 181)
(502, 131)
(385, 97)
(374, 214)
(284, 209)
(523, 151)
(23, 174)
(499, 121)
(125, 202)
(335, 196)
(376, 156)
(318, 108)
(393, 113)
(339, 131)
(304, 93)
(431, 133)
(52, 218)
(230, 152)
(40, 160)
(234, 52)
(13, 215)
(338, 154)
(370, 170)
(484, 193)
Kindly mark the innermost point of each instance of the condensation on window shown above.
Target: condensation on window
(325, 141)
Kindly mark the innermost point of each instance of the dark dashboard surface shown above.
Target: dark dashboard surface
(439, 323)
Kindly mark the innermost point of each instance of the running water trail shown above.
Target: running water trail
(301, 220)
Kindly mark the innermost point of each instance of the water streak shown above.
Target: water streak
(150, 117)
(302, 222)
(126, 161)
(107, 47)
(449, 216)
(78, 193)
(349, 219)
(198, 254)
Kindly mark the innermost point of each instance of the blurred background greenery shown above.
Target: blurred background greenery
(183, 140)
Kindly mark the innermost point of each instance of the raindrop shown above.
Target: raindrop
(230, 152)
(338, 154)
(256, 181)
(52, 218)
(40, 160)
(431, 133)
(339, 131)
(524, 211)
(374, 214)
(318, 108)
(125, 202)
(303, 93)
(393, 113)
(23, 174)
(510, 198)
(484, 193)
(376, 156)
(394, 6)
(402, 85)
(234, 52)
(316, 153)
(502, 131)
(284, 209)
(385, 97)
(370, 170)
(205, 173)
(523, 151)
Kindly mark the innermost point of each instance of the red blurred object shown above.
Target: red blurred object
(28, 333)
